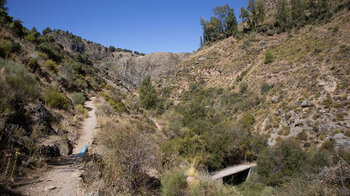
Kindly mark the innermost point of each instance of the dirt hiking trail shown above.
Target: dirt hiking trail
(62, 176)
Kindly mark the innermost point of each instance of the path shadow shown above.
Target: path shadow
(62, 161)
(89, 109)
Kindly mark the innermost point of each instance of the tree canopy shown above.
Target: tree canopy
(222, 25)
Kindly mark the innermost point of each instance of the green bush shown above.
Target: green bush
(47, 30)
(30, 38)
(7, 47)
(53, 52)
(117, 106)
(148, 94)
(51, 65)
(56, 99)
(212, 188)
(79, 109)
(243, 86)
(265, 87)
(174, 184)
(269, 57)
(18, 86)
(17, 28)
(278, 163)
(285, 161)
(247, 120)
(33, 64)
(77, 98)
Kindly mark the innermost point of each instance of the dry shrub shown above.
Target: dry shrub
(129, 156)
(338, 175)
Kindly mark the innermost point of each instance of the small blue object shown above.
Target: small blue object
(83, 151)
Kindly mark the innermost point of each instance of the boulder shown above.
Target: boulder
(340, 140)
(305, 104)
(65, 147)
(202, 59)
(274, 99)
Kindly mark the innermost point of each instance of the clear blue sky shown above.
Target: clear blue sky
(141, 25)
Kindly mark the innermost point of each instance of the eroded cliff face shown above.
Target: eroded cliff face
(131, 70)
(124, 67)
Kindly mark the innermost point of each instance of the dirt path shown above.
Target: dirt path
(62, 175)
(87, 127)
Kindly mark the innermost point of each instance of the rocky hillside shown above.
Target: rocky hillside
(126, 67)
(300, 79)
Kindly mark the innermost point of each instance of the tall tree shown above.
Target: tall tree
(227, 18)
(252, 20)
(260, 11)
(244, 15)
(297, 10)
(2, 4)
(148, 94)
(282, 15)
(231, 23)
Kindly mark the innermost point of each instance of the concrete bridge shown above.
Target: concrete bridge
(233, 170)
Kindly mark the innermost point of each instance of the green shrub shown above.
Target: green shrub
(148, 94)
(7, 47)
(212, 188)
(18, 86)
(33, 64)
(117, 106)
(247, 120)
(30, 38)
(174, 184)
(243, 86)
(77, 98)
(265, 87)
(269, 57)
(303, 135)
(47, 30)
(56, 99)
(51, 65)
(53, 52)
(17, 28)
(81, 110)
(277, 164)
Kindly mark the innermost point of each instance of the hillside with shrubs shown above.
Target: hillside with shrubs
(272, 89)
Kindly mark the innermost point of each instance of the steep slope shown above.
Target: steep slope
(303, 93)
(123, 66)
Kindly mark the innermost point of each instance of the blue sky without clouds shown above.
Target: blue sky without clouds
(141, 25)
